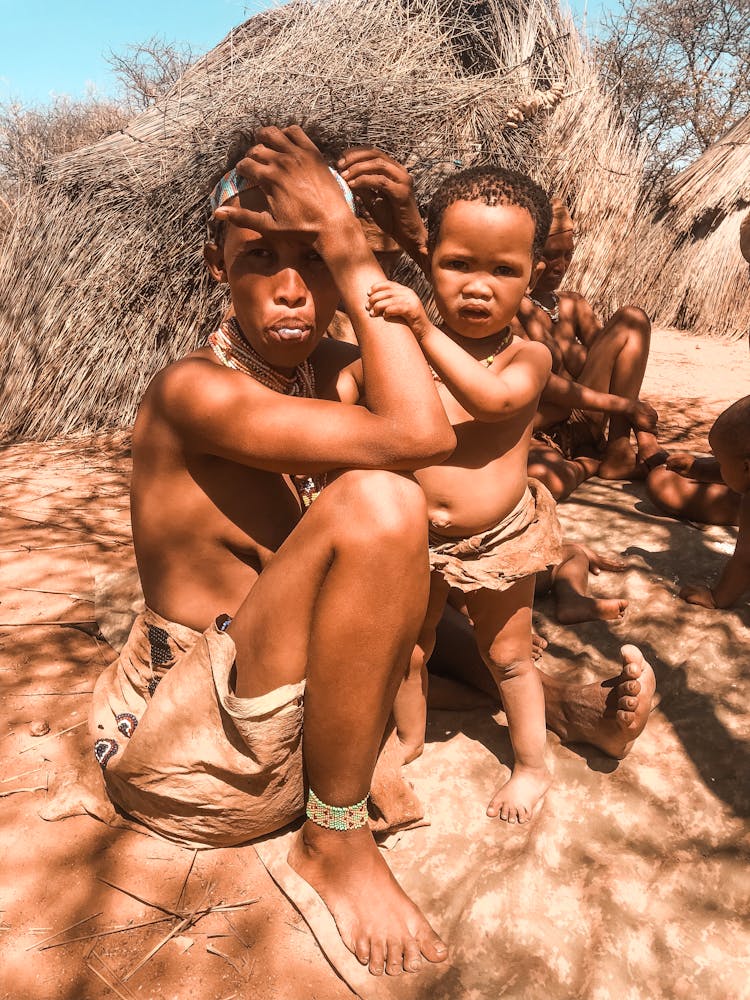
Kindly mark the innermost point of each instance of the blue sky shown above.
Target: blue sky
(49, 48)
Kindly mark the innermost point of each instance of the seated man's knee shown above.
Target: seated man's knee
(635, 318)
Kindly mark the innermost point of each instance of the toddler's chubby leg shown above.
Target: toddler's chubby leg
(502, 624)
(410, 705)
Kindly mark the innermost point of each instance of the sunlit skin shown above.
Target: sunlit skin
(218, 528)
(481, 266)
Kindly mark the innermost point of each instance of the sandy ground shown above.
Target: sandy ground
(64, 519)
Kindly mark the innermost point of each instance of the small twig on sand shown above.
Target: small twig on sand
(15, 777)
(140, 899)
(99, 934)
(36, 590)
(56, 694)
(15, 791)
(107, 983)
(180, 899)
(235, 931)
(220, 954)
(50, 735)
(107, 968)
(64, 929)
(57, 621)
(177, 929)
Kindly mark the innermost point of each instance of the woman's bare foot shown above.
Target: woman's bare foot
(620, 462)
(609, 714)
(516, 800)
(375, 918)
(572, 608)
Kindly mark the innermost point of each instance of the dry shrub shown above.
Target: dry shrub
(101, 277)
(30, 136)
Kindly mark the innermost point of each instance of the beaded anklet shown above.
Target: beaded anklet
(336, 817)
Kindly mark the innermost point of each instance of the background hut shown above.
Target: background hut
(697, 278)
(101, 276)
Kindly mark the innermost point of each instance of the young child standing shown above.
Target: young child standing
(491, 528)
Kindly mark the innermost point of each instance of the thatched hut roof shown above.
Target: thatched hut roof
(696, 277)
(101, 276)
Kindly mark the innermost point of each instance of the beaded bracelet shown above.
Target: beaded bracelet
(336, 817)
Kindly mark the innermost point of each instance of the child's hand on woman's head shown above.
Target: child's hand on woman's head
(387, 192)
(397, 302)
(681, 462)
(700, 594)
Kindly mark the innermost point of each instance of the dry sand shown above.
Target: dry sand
(673, 872)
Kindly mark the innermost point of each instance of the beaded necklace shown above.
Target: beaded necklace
(554, 312)
(231, 348)
(505, 340)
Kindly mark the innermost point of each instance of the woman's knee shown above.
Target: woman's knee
(383, 504)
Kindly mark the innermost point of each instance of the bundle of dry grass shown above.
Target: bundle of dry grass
(101, 279)
(694, 275)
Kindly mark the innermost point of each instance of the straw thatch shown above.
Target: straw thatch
(101, 278)
(693, 274)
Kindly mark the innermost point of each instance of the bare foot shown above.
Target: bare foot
(610, 714)
(574, 608)
(375, 918)
(598, 562)
(516, 800)
(538, 645)
(650, 452)
(620, 462)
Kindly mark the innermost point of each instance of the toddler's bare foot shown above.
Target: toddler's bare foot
(515, 801)
(573, 608)
(620, 462)
(375, 918)
(610, 714)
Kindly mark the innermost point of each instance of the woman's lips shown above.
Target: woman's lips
(291, 331)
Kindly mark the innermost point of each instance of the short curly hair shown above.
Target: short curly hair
(492, 185)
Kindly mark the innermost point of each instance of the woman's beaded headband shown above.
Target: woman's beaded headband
(233, 182)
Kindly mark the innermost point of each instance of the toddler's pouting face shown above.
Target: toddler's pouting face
(482, 263)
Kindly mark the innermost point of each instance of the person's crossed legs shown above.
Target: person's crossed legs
(616, 363)
(341, 603)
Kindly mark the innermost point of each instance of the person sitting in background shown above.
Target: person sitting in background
(714, 491)
(609, 359)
